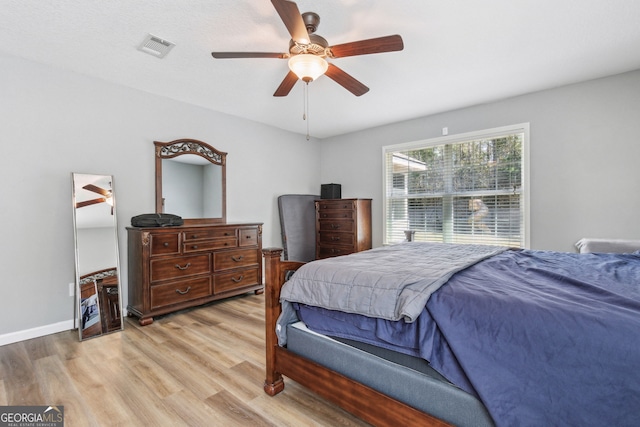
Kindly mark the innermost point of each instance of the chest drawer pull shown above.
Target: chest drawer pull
(238, 280)
(237, 258)
(335, 226)
(194, 247)
(165, 244)
(183, 268)
(335, 238)
(184, 292)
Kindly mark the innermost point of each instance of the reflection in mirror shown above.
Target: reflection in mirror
(191, 181)
(97, 261)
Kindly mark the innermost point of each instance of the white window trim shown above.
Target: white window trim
(463, 137)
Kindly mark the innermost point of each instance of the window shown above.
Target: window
(469, 188)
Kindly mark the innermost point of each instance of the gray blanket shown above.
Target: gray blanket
(391, 282)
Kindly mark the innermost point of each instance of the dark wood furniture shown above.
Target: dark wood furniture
(103, 283)
(108, 291)
(362, 401)
(212, 187)
(343, 226)
(172, 268)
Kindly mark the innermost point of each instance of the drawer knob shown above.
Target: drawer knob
(183, 268)
(186, 291)
(238, 280)
(335, 226)
(237, 258)
(194, 247)
(335, 239)
(166, 244)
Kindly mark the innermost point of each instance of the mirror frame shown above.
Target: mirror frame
(112, 272)
(179, 147)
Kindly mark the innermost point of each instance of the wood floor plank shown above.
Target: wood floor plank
(3, 394)
(142, 401)
(197, 367)
(233, 412)
(54, 383)
(17, 371)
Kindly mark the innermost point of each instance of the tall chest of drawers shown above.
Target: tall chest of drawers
(343, 226)
(172, 268)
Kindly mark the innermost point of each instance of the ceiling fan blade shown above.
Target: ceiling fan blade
(90, 202)
(290, 15)
(365, 47)
(95, 189)
(235, 55)
(345, 80)
(286, 85)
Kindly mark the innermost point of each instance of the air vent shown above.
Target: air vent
(155, 46)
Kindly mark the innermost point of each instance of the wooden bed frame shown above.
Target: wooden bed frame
(362, 401)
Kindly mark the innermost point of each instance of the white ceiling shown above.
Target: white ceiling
(457, 52)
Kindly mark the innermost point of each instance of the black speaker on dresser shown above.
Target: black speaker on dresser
(330, 191)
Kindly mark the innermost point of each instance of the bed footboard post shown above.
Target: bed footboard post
(273, 383)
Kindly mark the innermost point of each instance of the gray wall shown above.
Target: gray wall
(55, 122)
(584, 179)
(584, 157)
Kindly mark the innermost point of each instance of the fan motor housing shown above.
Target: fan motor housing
(317, 46)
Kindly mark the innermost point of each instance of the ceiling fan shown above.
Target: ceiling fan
(107, 194)
(307, 51)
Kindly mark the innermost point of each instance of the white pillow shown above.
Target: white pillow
(589, 245)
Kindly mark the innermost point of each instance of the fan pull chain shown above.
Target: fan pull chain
(305, 114)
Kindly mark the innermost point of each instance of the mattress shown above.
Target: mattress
(405, 378)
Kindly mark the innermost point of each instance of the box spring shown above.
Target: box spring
(405, 378)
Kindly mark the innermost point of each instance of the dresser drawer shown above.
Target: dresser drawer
(236, 280)
(226, 260)
(165, 244)
(248, 237)
(206, 245)
(331, 251)
(184, 290)
(330, 238)
(211, 233)
(335, 204)
(177, 267)
(336, 214)
(335, 225)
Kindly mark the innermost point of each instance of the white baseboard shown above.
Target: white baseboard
(36, 332)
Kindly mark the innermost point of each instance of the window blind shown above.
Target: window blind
(461, 191)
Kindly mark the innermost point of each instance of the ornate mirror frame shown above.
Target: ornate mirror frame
(179, 147)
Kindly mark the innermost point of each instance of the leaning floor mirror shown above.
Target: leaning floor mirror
(98, 296)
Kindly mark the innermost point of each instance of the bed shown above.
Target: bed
(495, 336)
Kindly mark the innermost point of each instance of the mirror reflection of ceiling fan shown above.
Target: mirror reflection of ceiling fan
(106, 197)
(308, 51)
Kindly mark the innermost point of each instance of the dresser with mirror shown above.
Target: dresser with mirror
(207, 258)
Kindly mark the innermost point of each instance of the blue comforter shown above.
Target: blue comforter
(542, 338)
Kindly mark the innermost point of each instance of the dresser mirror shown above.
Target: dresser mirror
(191, 181)
(98, 297)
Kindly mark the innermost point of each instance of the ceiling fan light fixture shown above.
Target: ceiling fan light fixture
(308, 67)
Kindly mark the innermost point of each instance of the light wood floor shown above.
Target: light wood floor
(198, 367)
